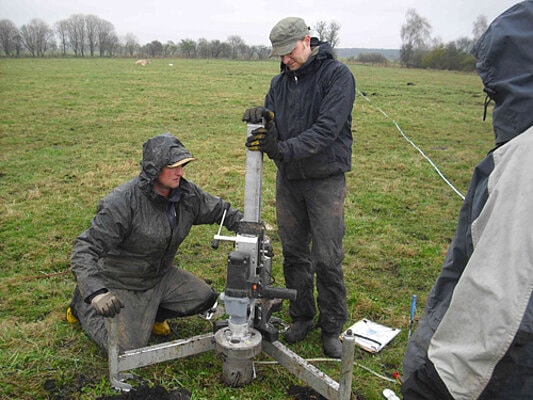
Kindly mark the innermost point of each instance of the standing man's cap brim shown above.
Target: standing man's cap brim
(285, 34)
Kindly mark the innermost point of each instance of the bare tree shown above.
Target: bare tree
(91, 29)
(416, 31)
(321, 30)
(112, 45)
(77, 34)
(187, 48)
(332, 36)
(204, 48)
(37, 37)
(107, 39)
(29, 38)
(220, 49)
(239, 49)
(155, 48)
(464, 44)
(416, 35)
(328, 33)
(170, 48)
(131, 44)
(61, 29)
(479, 27)
(9, 37)
(260, 52)
(263, 52)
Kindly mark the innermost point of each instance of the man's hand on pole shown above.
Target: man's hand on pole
(263, 139)
(258, 115)
(107, 304)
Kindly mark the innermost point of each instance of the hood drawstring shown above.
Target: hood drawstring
(490, 94)
(485, 105)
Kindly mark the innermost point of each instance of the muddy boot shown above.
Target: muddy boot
(298, 331)
(332, 345)
(71, 315)
(161, 328)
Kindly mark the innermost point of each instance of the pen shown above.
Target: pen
(412, 314)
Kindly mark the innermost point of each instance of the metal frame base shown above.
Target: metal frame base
(309, 374)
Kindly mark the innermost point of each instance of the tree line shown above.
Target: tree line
(88, 35)
(420, 50)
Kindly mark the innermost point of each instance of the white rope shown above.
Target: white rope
(416, 147)
(334, 360)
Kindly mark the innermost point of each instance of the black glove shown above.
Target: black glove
(107, 304)
(266, 141)
(255, 115)
(263, 139)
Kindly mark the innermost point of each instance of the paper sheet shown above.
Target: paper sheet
(371, 336)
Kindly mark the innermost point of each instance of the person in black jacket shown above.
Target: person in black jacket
(475, 340)
(124, 262)
(308, 116)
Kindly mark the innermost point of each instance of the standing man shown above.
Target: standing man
(308, 117)
(124, 262)
(475, 340)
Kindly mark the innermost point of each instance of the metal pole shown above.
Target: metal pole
(253, 182)
(299, 367)
(345, 381)
(116, 378)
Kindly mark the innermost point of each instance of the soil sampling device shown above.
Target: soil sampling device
(249, 300)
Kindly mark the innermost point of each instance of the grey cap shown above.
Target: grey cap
(286, 33)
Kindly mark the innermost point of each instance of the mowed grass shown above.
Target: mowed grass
(72, 129)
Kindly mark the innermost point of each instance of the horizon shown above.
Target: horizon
(362, 25)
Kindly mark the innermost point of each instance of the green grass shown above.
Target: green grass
(71, 130)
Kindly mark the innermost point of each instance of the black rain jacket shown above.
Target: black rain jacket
(131, 243)
(313, 115)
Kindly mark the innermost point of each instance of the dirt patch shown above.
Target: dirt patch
(304, 393)
(144, 392)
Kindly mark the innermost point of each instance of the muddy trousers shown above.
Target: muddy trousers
(178, 294)
(310, 216)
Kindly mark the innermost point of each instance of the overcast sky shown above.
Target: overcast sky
(364, 23)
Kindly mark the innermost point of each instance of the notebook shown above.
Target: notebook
(371, 336)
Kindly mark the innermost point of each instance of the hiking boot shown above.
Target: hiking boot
(332, 345)
(161, 328)
(298, 331)
(71, 316)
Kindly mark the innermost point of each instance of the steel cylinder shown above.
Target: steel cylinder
(237, 355)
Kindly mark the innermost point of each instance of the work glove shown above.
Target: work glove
(107, 304)
(265, 140)
(255, 115)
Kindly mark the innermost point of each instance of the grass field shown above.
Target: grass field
(72, 129)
